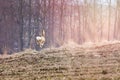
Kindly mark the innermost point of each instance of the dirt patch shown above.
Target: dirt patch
(97, 62)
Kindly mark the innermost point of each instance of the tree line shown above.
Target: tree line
(79, 21)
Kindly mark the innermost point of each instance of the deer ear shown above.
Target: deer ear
(43, 32)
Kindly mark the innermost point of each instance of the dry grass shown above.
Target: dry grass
(74, 63)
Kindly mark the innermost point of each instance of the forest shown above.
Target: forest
(59, 39)
(64, 21)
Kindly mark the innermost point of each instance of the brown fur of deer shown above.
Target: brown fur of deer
(41, 39)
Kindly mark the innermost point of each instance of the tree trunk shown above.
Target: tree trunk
(21, 23)
(101, 34)
(109, 20)
(29, 27)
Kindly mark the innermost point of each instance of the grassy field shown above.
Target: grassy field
(97, 62)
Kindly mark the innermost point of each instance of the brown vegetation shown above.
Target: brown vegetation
(65, 63)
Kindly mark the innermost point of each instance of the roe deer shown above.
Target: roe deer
(41, 39)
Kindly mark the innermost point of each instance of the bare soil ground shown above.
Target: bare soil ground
(90, 62)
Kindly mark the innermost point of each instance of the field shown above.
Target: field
(87, 62)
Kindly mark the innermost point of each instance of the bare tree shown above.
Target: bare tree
(29, 26)
(101, 21)
(109, 23)
(21, 23)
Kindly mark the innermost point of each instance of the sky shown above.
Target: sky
(104, 2)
